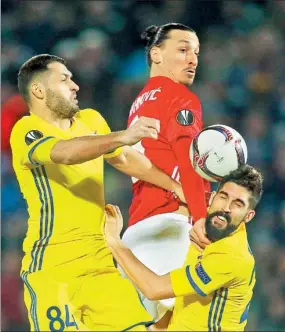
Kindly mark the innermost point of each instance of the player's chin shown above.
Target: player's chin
(74, 110)
(75, 107)
(219, 227)
(188, 80)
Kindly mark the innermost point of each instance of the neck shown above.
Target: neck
(157, 70)
(47, 115)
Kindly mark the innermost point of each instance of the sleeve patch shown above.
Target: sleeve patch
(185, 117)
(33, 136)
(202, 274)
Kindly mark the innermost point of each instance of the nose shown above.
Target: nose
(74, 86)
(193, 59)
(227, 209)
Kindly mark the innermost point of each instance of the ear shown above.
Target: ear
(250, 215)
(155, 54)
(37, 90)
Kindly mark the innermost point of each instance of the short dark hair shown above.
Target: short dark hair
(156, 35)
(248, 177)
(35, 65)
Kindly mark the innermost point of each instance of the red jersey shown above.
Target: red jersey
(180, 115)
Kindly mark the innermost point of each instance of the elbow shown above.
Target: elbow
(151, 297)
(158, 288)
(151, 294)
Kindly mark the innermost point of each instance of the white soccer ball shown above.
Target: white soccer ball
(216, 151)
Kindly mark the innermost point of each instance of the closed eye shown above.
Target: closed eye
(65, 77)
(239, 204)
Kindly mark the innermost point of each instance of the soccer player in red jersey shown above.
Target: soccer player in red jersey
(159, 223)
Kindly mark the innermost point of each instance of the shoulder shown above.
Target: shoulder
(189, 98)
(23, 122)
(94, 121)
(234, 254)
(23, 125)
(178, 89)
(26, 131)
(181, 99)
(89, 114)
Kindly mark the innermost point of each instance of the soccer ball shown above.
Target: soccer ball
(216, 151)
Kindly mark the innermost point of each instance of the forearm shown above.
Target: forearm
(194, 191)
(139, 166)
(192, 184)
(150, 284)
(81, 149)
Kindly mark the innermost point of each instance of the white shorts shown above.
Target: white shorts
(160, 242)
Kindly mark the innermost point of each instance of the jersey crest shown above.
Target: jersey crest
(32, 136)
(185, 117)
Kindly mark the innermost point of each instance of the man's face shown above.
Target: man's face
(228, 209)
(61, 91)
(180, 55)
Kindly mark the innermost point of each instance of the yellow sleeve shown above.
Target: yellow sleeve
(39, 152)
(113, 154)
(210, 273)
(95, 121)
(30, 145)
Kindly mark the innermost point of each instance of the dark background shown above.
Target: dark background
(239, 82)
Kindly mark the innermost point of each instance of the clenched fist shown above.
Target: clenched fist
(143, 128)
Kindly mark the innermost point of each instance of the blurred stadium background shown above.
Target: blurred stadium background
(240, 83)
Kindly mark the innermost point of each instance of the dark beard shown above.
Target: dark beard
(213, 233)
(62, 108)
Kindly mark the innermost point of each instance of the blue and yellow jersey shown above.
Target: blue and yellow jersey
(65, 202)
(215, 287)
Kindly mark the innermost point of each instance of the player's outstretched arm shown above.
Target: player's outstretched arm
(153, 286)
(82, 149)
(192, 183)
(136, 164)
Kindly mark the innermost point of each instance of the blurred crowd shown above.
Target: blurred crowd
(240, 82)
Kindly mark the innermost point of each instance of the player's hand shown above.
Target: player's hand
(198, 234)
(143, 128)
(178, 191)
(114, 222)
(208, 196)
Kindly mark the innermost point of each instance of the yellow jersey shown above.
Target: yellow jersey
(215, 287)
(65, 202)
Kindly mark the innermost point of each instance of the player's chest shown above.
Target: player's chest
(77, 129)
(78, 178)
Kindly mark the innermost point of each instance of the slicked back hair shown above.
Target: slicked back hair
(156, 35)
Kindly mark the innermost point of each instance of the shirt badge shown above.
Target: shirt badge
(32, 136)
(185, 117)
(202, 274)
